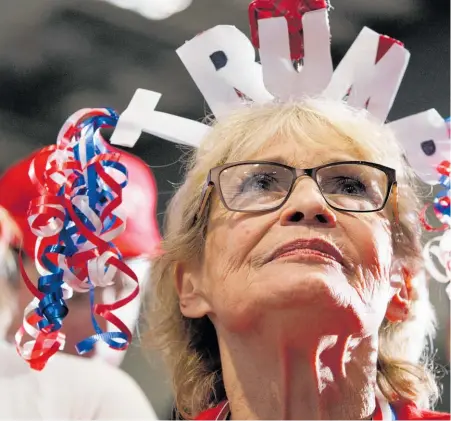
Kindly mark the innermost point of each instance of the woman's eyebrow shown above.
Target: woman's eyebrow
(292, 162)
(274, 158)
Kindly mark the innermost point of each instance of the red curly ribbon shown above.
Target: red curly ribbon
(75, 220)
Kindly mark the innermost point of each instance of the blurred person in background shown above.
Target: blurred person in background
(72, 387)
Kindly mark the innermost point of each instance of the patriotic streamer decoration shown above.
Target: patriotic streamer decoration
(76, 220)
(437, 257)
(437, 251)
(441, 201)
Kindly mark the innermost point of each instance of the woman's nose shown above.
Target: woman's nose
(307, 205)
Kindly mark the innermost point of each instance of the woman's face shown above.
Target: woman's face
(236, 285)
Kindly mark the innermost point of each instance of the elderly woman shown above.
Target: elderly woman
(291, 284)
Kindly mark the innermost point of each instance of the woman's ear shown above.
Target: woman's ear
(399, 306)
(188, 283)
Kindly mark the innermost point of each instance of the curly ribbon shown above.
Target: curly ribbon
(75, 220)
(437, 251)
(441, 202)
(437, 257)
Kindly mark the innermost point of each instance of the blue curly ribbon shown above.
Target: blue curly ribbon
(52, 307)
(441, 199)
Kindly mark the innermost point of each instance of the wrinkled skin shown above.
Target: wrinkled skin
(296, 326)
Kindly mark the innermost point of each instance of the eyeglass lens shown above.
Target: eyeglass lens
(262, 186)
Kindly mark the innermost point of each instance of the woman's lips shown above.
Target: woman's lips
(311, 249)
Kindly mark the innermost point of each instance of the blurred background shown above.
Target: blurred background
(57, 56)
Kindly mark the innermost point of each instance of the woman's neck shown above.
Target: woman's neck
(328, 377)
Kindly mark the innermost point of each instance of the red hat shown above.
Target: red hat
(139, 201)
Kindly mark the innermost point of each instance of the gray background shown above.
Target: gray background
(57, 56)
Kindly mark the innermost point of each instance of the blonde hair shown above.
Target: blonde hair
(190, 346)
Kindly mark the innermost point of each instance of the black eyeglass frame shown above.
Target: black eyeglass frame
(214, 174)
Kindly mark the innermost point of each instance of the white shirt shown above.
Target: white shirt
(68, 388)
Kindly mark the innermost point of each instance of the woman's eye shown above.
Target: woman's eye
(348, 186)
(258, 182)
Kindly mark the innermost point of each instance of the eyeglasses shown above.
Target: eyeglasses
(260, 186)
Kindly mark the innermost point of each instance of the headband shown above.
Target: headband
(293, 40)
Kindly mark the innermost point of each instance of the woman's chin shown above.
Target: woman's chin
(303, 272)
(303, 285)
